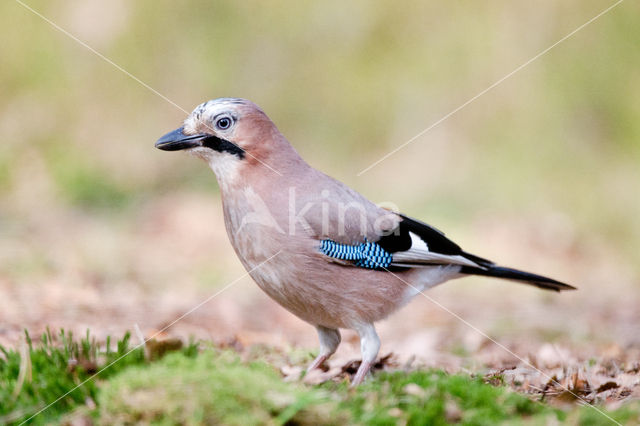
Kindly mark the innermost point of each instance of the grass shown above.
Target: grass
(219, 386)
(433, 397)
(38, 374)
(34, 376)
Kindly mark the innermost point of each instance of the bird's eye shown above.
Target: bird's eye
(223, 123)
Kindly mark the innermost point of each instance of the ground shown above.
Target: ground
(155, 272)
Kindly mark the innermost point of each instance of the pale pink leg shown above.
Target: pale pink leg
(362, 373)
(369, 346)
(320, 359)
(329, 341)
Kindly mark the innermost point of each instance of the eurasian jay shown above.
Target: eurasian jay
(317, 247)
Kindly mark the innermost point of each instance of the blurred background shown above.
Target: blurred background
(100, 230)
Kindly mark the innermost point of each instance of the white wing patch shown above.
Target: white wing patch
(418, 243)
(419, 253)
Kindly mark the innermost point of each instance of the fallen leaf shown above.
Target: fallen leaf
(452, 411)
(415, 390)
(291, 373)
(606, 386)
(395, 412)
(317, 376)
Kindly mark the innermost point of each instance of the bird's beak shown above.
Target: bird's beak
(177, 140)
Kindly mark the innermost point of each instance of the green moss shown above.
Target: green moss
(214, 388)
(433, 397)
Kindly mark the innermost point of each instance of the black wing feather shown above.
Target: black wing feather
(437, 242)
(520, 276)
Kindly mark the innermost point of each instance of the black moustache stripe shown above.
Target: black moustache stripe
(223, 145)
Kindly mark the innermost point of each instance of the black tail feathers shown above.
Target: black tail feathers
(516, 275)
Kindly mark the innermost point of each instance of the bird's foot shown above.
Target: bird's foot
(317, 363)
(361, 374)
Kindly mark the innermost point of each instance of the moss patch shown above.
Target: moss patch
(214, 388)
(222, 386)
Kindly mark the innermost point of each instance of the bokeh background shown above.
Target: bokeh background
(100, 230)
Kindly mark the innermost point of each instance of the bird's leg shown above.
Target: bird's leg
(329, 341)
(369, 346)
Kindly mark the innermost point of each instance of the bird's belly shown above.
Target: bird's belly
(328, 294)
(293, 272)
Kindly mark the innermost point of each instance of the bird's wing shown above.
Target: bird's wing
(411, 244)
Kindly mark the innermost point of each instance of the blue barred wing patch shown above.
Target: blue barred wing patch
(366, 255)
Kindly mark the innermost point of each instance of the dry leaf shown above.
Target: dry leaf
(415, 390)
(291, 373)
(606, 386)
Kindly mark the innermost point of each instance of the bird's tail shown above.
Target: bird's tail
(516, 275)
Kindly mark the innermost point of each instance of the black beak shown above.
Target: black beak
(176, 141)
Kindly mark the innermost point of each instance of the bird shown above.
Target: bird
(318, 248)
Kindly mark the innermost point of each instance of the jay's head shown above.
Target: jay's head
(225, 130)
